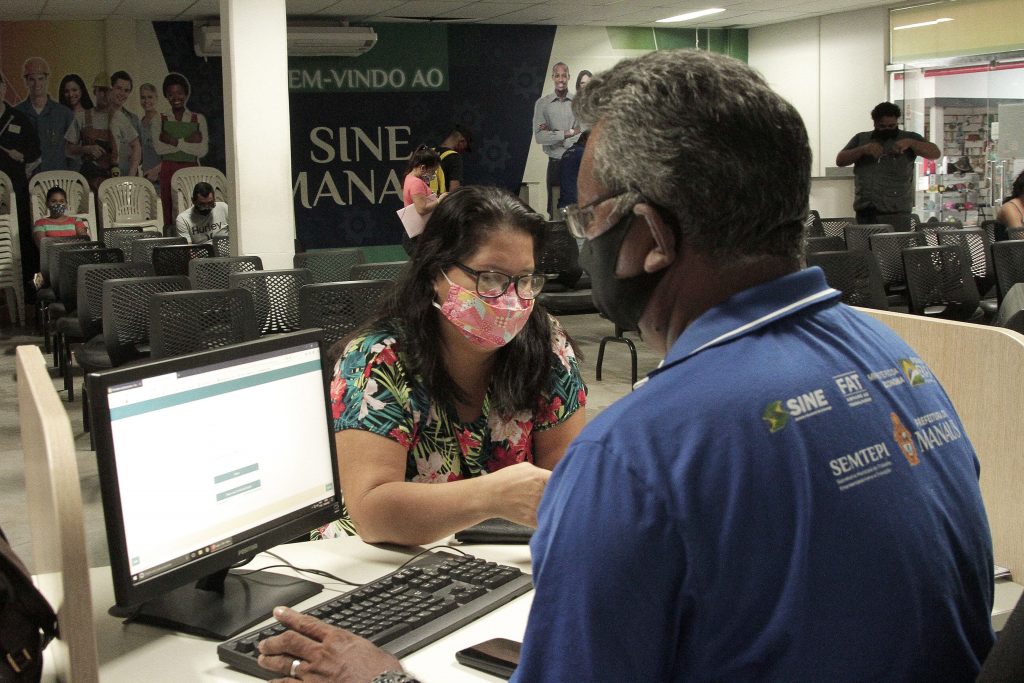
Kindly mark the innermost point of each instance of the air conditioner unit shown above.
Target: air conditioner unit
(303, 40)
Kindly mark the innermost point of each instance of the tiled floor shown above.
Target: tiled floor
(586, 330)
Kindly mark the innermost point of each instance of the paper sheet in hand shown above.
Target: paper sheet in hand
(412, 221)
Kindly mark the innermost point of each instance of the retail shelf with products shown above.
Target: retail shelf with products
(955, 195)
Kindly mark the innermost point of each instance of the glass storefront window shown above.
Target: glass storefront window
(955, 90)
(958, 108)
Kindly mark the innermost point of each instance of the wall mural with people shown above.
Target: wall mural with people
(114, 106)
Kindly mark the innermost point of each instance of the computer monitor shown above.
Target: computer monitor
(204, 461)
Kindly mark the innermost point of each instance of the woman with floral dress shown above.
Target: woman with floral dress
(454, 404)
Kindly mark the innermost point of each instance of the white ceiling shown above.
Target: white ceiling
(739, 13)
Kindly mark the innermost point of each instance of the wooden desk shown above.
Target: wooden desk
(136, 652)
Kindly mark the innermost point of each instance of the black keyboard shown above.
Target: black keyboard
(435, 594)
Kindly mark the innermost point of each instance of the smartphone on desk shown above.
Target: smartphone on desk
(497, 656)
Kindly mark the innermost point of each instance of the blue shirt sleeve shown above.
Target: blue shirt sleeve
(608, 576)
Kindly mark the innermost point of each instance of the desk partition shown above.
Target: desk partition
(982, 370)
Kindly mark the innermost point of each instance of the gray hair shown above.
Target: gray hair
(703, 137)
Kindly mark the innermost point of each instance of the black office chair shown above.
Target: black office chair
(45, 249)
(212, 273)
(92, 355)
(275, 294)
(221, 245)
(126, 305)
(56, 307)
(197, 320)
(835, 227)
(383, 270)
(142, 249)
(812, 225)
(340, 307)
(974, 242)
(975, 245)
(46, 295)
(944, 224)
(559, 260)
(994, 231)
(858, 235)
(105, 233)
(933, 225)
(66, 329)
(855, 274)
(813, 245)
(125, 324)
(940, 283)
(122, 238)
(330, 265)
(888, 249)
(1007, 265)
(173, 259)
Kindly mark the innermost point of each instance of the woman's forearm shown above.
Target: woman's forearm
(411, 513)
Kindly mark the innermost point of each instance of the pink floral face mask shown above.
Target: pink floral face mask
(487, 323)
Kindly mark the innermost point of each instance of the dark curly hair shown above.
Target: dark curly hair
(885, 109)
(1017, 191)
(422, 156)
(456, 229)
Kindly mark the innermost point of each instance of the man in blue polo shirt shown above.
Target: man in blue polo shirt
(791, 495)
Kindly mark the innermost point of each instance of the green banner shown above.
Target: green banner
(406, 58)
(727, 41)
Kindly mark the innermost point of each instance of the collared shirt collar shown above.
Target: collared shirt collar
(750, 310)
(26, 106)
(555, 98)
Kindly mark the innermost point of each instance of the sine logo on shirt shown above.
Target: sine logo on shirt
(808, 404)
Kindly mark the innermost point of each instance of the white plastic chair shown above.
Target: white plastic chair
(81, 201)
(128, 201)
(10, 252)
(184, 181)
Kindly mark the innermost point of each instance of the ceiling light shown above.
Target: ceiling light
(933, 22)
(691, 15)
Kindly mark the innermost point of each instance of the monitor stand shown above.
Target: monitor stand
(223, 604)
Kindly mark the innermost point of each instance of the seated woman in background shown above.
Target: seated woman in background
(57, 223)
(1011, 213)
(454, 404)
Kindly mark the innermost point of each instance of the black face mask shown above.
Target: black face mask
(886, 134)
(622, 300)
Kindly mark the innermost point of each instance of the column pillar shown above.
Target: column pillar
(258, 130)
